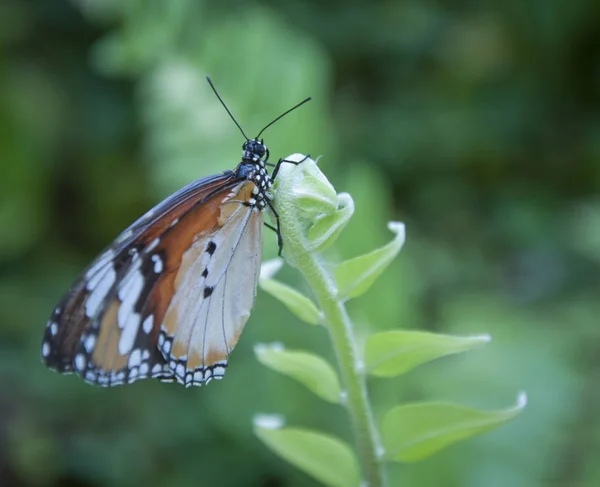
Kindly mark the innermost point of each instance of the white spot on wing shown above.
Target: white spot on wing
(148, 324)
(89, 343)
(80, 362)
(153, 244)
(102, 261)
(129, 333)
(127, 318)
(131, 287)
(219, 371)
(100, 290)
(135, 358)
(45, 349)
(158, 265)
(133, 373)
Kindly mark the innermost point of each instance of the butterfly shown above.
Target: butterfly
(168, 299)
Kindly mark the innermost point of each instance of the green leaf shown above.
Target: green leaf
(392, 353)
(294, 300)
(327, 227)
(324, 457)
(311, 370)
(414, 432)
(355, 276)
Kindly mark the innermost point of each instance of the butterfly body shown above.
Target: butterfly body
(169, 298)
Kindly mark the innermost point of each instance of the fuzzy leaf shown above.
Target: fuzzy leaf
(392, 353)
(414, 432)
(312, 371)
(355, 276)
(294, 300)
(323, 457)
(327, 227)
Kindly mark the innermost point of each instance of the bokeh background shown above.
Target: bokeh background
(476, 123)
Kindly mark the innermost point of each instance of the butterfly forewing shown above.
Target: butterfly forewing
(107, 327)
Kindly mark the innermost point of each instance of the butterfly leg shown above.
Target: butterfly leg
(281, 161)
(276, 229)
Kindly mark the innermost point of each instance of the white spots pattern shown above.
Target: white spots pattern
(45, 349)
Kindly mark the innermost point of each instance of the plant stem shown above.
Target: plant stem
(303, 189)
(342, 336)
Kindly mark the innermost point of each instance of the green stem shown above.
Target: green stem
(305, 199)
(342, 336)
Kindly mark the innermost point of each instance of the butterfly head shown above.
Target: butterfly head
(255, 150)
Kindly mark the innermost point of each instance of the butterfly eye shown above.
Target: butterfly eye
(254, 148)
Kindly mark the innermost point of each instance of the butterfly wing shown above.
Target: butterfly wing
(215, 290)
(106, 328)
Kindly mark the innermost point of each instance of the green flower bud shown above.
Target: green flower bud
(311, 213)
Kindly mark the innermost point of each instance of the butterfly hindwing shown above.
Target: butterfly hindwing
(215, 292)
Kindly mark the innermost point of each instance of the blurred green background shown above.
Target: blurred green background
(476, 123)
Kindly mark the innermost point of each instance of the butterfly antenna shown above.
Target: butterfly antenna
(225, 106)
(283, 115)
